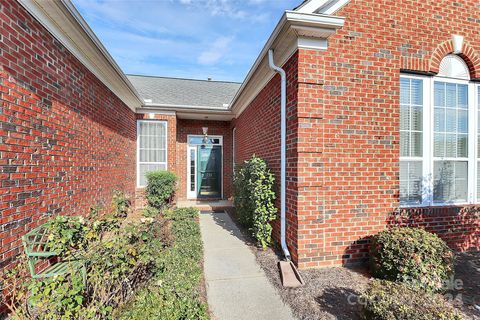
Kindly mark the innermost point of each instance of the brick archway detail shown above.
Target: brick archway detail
(469, 55)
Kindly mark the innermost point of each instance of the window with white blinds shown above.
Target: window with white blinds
(450, 142)
(411, 140)
(151, 148)
(478, 143)
(439, 139)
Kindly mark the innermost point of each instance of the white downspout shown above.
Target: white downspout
(283, 153)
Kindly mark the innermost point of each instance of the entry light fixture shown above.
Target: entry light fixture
(205, 134)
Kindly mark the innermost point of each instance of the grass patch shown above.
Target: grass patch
(174, 292)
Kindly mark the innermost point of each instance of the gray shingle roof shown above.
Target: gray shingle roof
(187, 93)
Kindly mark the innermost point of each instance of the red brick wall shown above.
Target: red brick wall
(348, 110)
(258, 132)
(187, 127)
(66, 141)
(458, 226)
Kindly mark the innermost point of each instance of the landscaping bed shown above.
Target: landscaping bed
(467, 269)
(333, 293)
(175, 292)
(326, 292)
(127, 264)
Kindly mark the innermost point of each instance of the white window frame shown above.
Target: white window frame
(234, 146)
(428, 135)
(138, 149)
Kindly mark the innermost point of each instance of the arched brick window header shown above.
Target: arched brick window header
(468, 54)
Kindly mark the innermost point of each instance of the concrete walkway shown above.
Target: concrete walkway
(236, 286)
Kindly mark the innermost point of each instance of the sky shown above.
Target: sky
(199, 39)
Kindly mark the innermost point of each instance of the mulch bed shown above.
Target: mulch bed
(328, 293)
(331, 293)
(467, 269)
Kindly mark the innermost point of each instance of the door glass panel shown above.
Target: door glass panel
(202, 140)
(209, 171)
(192, 169)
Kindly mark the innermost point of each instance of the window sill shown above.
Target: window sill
(439, 205)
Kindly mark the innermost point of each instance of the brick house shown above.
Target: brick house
(382, 111)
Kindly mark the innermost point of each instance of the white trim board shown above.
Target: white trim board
(64, 22)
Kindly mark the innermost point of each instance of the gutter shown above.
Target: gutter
(283, 153)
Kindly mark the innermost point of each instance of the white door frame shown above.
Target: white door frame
(193, 194)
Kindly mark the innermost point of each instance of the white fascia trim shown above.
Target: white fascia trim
(78, 17)
(98, 61)
(314, 19)
(181, 107)
(289, 17)
(194, 113)
(334, 7)
(322, 6)
(311, 6)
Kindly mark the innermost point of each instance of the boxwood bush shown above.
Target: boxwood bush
(411, 255)
(254, 198)
(161, 186)
(386, 300)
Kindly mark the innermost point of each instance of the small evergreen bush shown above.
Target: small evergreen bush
(411, 255)
(385, 300)
(161, 186)
(254, 198)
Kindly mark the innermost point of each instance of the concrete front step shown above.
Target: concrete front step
(205, 205)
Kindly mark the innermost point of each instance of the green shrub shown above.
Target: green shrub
(385, 300)
(59, 297)
(150, 212)
(120, 204)
(254, 198)
(116, 268)
(411, 255)
(120, 265)
(66, 234)
(174, 292)
(161, 186)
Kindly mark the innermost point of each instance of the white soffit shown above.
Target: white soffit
(64, 22)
